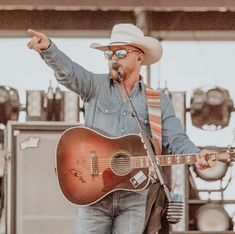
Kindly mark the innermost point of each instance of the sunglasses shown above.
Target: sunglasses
(119, 53)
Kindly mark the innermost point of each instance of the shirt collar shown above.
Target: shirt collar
(140, 82)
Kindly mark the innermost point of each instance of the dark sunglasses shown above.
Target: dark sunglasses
(120, 53)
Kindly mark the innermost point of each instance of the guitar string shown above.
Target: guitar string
(140, 161)
(140, 158)
(161, 157)
(136, 162)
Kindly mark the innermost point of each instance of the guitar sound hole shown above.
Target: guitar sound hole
(121, 163)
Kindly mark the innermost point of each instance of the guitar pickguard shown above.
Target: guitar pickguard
(111, 180)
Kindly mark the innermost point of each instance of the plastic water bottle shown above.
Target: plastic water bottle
(177, 193)
(176, 206)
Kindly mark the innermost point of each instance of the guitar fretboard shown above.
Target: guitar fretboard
(166, 160)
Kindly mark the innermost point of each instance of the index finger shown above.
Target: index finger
(34, 33)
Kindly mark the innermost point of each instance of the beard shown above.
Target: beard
(114, 70)
(117, 70)
(114, 74)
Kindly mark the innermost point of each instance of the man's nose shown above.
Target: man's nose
(114, 57)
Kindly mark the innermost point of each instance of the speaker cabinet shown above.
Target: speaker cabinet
(34, 202)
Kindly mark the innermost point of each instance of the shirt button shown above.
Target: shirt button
(122, 130)
(124, 113)
(106, 111)
(146, 121)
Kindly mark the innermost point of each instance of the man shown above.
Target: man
(107, 109)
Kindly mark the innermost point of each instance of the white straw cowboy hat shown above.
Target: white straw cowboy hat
(129, 34)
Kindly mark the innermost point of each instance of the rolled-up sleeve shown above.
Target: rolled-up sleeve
(70, 74)
(174, 137)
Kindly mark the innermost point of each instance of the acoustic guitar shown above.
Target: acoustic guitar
(90, 165)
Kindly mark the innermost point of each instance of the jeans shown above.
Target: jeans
(121, 212)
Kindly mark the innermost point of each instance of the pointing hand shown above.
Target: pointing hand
(39, 41)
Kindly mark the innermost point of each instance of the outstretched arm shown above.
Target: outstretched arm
(67, 72)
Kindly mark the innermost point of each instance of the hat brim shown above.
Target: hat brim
(150, 46)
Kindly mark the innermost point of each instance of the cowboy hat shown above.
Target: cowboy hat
(129, 34)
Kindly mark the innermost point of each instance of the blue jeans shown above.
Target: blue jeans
(121, 212)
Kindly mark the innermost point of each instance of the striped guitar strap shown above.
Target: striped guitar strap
(154, 112)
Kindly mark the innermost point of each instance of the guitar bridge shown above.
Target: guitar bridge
(94, 164)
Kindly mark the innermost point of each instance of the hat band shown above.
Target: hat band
(118, 42)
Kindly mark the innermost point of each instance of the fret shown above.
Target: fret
(137, 162)
(164, 160)
(184, 158)
(168, 160)
(178, 161)
(134, 162)
(194, 158)
(172, 159)
(144, 163)
(147, 162)
(141, 162)
(160, 161)
(189, 159)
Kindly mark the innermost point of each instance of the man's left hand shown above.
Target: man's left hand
(202, 162)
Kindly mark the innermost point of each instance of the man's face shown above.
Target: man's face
(129, 58)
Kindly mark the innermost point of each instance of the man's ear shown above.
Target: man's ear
(140, 57)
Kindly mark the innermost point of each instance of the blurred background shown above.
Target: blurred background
(197, 71)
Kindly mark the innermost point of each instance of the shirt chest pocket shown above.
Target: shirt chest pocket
(142, 113)
(106, 116)
(141, 109)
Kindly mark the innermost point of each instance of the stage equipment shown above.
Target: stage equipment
(71, 109)
(34, 105)
(211, 108)
(214, 173)
(52, 105)
(34, 203)
(212, 218)
(9, 104)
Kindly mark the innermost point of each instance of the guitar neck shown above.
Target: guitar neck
(168, 160)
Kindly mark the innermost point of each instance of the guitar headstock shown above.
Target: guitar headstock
(227, 156)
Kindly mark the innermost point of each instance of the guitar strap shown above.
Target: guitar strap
(155, 120)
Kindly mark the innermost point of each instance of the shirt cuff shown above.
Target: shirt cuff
(49, 51)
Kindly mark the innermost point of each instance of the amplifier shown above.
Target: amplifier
(34, 203)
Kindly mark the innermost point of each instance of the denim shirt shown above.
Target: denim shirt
(105, 109)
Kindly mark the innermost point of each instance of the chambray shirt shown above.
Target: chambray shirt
(105, 109)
